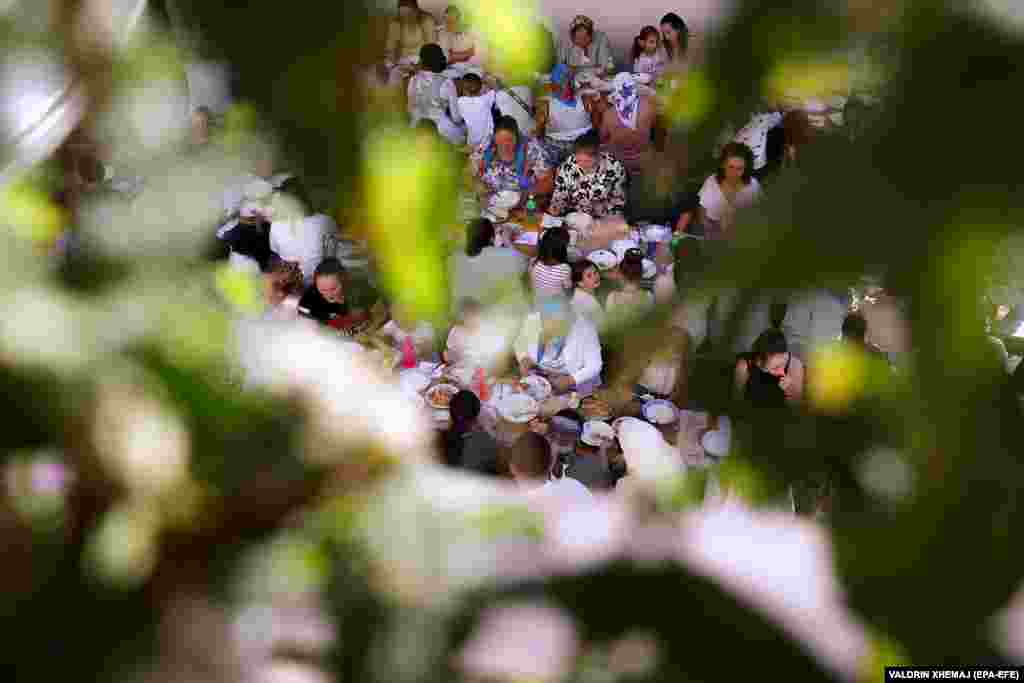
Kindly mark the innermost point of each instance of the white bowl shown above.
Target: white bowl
(518, 408)
(506, 199)
(604, 259)
(716, 444)
(660, 412)
(650, 269)
(597, 434)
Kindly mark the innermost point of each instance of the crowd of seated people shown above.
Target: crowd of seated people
(572, 150)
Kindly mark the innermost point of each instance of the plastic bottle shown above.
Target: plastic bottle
(531, 208)
(408, 353)
(482, 390)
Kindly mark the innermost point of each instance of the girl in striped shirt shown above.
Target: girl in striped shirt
(550, 273)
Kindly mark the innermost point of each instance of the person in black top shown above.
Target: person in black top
(770, 376)
(466, 446)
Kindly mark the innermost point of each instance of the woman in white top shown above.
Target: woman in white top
(732, 187)
(475, 108)
(297, 235)
(565, 346)
(586, 278)
(562, 115)
(433, 96)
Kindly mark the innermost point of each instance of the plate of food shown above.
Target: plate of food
(440, 396)
(537, 387)
(595, 409)
(604, 259)
(597, 434)
(660, 412)
(518, 408)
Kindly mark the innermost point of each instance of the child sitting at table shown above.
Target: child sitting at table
(460, 344)
(550, 273)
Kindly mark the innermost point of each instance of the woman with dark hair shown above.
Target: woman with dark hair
(509, 160)
(433, 96)
(769, 376)
(464, 444)
(589, 181)
(484, 271)
(587, 50)
(649, 57)
(732, 187)
(550, 273)
(586, 279)
(676, 37)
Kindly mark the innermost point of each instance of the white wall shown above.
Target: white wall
(623, 19)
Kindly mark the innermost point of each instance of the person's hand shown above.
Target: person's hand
(538, 426)
(563, 384)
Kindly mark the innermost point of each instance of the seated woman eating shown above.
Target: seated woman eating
(433, 96)
(563, 346)
(589, 181)
(588, 50)
(770, 376)
(336, 300)
(510, 161)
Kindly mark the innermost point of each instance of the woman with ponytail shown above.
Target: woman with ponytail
(648, 55)
(464, 444)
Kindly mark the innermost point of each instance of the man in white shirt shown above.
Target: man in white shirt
(562, 344)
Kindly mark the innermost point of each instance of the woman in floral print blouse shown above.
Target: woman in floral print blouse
(589, 181)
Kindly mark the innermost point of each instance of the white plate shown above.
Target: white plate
(604, 259)
(620, 247)
(537, 387)
(597, 434)
(650, 269)
(446, 388)
(413, 381)
(518, 408)
(506, 199)
(617, 424)
(660, 412)
(658, 233)
(716, 444)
